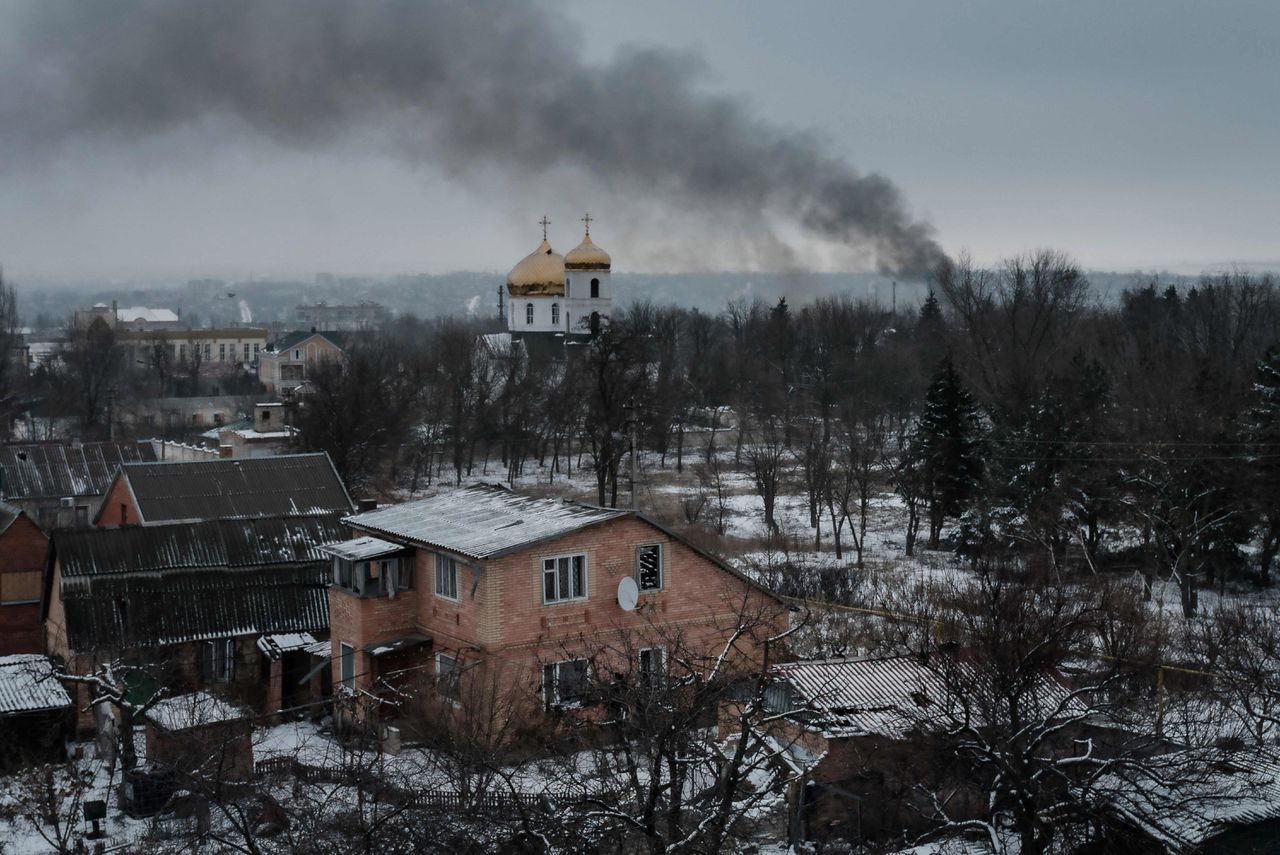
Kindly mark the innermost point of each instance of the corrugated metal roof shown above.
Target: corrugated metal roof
(291, 484)
(114, 612)
(56, 471)
(27, 684)
(362, 548)
(481, 521)
(896, 696)
(218, 543)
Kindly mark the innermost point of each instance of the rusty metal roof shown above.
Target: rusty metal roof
(285, 485)
(479, 522)
(57, 471)
(220, 543)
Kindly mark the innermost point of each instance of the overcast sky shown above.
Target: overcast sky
(1141, 134)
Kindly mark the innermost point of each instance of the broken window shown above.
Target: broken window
(649, 567)
(218, 663)
(564, 683)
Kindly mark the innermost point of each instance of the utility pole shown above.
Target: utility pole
(895, 296)
(632, 419)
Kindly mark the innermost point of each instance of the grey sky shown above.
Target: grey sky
(1137, 134)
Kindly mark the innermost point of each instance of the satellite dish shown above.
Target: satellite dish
(628, 594)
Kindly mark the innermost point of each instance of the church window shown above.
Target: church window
(555, 313)
(595, 288)
(528, 313)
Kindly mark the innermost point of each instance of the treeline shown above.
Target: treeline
(1012, 412)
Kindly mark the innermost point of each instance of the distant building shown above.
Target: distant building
(180, 416)
(34, 712)
(213, 349)
(264, 435)
(548, 294)
(61, 485)
(322, 317)
(138, 318)
(286, 365)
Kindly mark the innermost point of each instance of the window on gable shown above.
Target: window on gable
(564, 578)
(218, 660)
(447, 673)
(446, 577)
(564, 684)
(528, 313)
(649, 567)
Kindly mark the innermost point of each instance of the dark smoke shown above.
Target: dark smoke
(457, 84)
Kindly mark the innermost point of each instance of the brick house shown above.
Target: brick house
(288, 362)
(185, 491)
(523, 597)
(22, 552)
(230, 604)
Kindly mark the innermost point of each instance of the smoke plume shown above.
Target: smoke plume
(461, 85)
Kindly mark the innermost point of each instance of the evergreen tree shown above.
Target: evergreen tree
(1262, 432)
(948, 444)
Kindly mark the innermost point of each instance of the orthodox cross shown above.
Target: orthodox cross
(586, 218)
(544, 222)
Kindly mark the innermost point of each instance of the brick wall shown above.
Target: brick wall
(117, 497)
(23, 547)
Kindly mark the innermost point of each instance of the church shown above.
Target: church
(549, 295)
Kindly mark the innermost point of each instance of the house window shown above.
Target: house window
(182, 353)
(555, 313)
(82, 516)
(653, 667)
(595, 288)
(218, 662)
(446, 577)
(347, 664)
(255, 350)
(528, 314)
(124, 513)
(297, 354)
(344, 574)
(649, 567)
(564, 684)
(447, 672)
(564, 578)
(246, 353)
(222, 353)
(397, 574)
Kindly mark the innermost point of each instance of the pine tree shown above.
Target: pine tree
(948, 444)
(1262, 432)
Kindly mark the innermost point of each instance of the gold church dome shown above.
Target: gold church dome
(587, 256)
(539, 274)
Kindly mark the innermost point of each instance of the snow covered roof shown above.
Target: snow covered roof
(895, 696)
(286, 642)
(27, 684)
(198, 709)
(142, 313)
(479, 522)
(362, 548)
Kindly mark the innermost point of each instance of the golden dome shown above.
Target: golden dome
(587, 256)
(539, 274)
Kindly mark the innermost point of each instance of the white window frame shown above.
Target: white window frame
(662, 566)
(528, 314)
(446, 665)
(551, 689)
(550, 565)
(442, 590)
(346, 663)
(219, 665)
(555, 313)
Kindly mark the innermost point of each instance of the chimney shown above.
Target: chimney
(363, 505)
(225, 450)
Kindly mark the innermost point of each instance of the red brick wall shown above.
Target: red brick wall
(507, 622)
(117, 495)
(23, 548)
